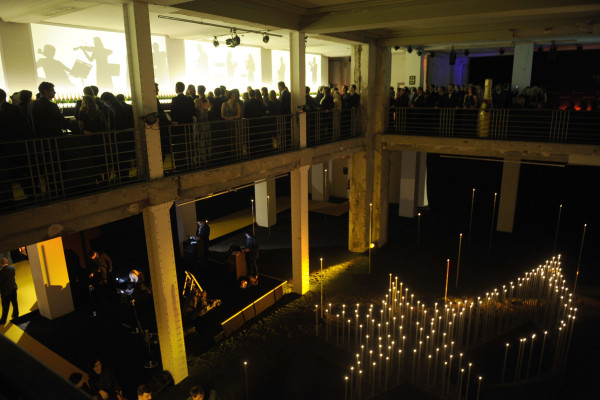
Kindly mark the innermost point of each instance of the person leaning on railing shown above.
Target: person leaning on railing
(47, 118)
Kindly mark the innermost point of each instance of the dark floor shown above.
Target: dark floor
(284, 358)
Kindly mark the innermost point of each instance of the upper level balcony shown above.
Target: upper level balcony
(40, 171)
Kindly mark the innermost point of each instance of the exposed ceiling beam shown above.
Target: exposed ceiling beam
(430, 13)
(264, 16)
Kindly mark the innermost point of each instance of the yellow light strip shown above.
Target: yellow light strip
(253, 303)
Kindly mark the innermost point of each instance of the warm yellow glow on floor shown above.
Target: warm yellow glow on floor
(27, 303)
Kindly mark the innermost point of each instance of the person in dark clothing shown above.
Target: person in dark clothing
(449, 99)
(77, 379)
(128, 111)
(433, 97)
(183, 111)
(87, 91)
(8, 290)
(251, 249)
(103, 380)
(264, 92)
(353, 97)
(402, 99)
(215, 110)
(47, 118)
(309, 102)
(327, 100)
(12, 121)
(273, 104)
(203, 237)
(253, 107)
(418, 99)
(285, 98)
(498, 97)
(91, 119)
(120, 119)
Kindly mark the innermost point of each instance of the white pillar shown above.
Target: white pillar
(297, 69)
(265, 200)
(522, 64)
(508, 196)
(50, 278)
(320, 181)
(299, 200)
(408, 184)
(143, 91)
(422, 200)
(159, 242)
(18, 57)
(186, 223)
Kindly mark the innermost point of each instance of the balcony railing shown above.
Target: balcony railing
(38, 170)
(556, 126)
(204, 145)
(330, 126)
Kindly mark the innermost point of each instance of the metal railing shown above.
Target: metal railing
(330, 126)
(556, 126)
(37, 170)
(203, 145)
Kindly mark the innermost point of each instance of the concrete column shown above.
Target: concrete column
(186, 223)
(522, 64)
(265, 200)
(18, 57)
(320, 181)
(358, 229)
(297, 69)
(159, 242)
(409, 184)
(508, 196)
(143, 91)
(422, 200)
(381, 202)
(50, 278)
(300, 263)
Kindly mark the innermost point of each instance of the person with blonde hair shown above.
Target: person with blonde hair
(90, 118)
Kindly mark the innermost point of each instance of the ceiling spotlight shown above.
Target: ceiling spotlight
(432, 54)
(265, 38)
(215, 42)
(396, 47)
(409, 49)
(501, 51)
(452, 58)
(234, 41)
(467, 52)
(419, 52)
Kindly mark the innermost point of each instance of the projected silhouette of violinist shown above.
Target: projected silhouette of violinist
(104, 70)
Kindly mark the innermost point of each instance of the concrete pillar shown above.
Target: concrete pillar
(411, 164)
(18, 60)
(508, 196)
(422, 200)
(159, 242)
(381, 196)
(297, 69)
(522, 64)
(50, 278)
(358, 227)
(187, 223)
(320, 181)
(265, 200)
(143, 91)
(299, 200)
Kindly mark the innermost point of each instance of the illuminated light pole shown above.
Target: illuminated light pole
(492, 226)
(471, 217)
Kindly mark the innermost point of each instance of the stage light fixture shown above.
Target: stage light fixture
(409, 49)
(396, 47)
(432, 54)
(501, 51)
(215, 42)
(452, 58)
(467, 52)
(265, 38)
(234, 41)
(419, 52)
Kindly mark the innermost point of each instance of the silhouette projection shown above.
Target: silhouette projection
(161, 70)
(54, 70)
(104, 70)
